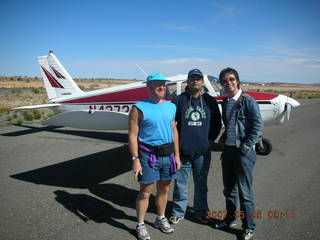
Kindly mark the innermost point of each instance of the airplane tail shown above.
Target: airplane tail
(57, 80)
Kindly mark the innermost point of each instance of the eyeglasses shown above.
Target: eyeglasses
(226, 80)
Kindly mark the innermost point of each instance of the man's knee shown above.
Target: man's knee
(144, 195)
(163, 187)
(145, 191)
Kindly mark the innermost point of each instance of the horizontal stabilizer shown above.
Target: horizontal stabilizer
(98, 120)
(37, 106)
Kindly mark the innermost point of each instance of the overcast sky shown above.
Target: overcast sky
(266, 41)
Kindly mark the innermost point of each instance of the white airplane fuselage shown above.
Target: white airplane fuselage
(108, 108)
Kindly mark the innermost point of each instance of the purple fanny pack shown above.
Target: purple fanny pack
(160, 151)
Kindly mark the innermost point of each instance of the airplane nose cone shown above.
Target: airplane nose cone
(293, 102)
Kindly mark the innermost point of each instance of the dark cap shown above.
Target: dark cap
(195, 72)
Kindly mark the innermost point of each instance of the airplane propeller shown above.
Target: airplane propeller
(289, 104)
(288, 108)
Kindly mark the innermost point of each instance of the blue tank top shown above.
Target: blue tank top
(156, 126)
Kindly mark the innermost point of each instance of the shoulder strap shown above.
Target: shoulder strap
(232, 110)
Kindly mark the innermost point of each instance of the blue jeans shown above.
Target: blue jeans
(200, 168)
(237, 170)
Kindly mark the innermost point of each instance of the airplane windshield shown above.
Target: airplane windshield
(172, 87)
(215, 83)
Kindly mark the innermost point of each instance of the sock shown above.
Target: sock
(160, 217)
(139, 224)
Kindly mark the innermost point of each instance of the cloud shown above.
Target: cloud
(257, 68)
(312, 64)
(290, 51)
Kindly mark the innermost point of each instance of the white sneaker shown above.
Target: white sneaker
(142, 232)
(163, 225)
(248, 234)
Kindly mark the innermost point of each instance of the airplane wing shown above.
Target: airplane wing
(37, 106)
(96, 120)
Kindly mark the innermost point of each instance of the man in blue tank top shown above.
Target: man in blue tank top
(154, 147)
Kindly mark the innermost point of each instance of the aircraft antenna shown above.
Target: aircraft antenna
(142, 70)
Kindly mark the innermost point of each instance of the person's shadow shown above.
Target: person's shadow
(88, 208)
(126, 197)
(120, 195)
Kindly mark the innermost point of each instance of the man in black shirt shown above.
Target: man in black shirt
(199, 123)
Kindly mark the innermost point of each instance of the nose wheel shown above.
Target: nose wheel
(263, 147)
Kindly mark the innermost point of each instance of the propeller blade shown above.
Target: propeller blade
(288, 110)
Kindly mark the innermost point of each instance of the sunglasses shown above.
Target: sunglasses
(226, 80)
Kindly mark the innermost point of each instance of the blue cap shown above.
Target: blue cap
(195, 72)
(156, 77)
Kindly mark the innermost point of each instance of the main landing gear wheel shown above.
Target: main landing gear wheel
(264, 147)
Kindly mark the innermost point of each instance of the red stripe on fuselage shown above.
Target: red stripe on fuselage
(256, 95)
(131, 95)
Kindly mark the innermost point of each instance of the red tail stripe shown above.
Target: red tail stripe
(59, 75)
(51, 79)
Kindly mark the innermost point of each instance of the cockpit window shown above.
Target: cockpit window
(171, 90)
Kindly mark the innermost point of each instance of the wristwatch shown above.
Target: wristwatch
(134, 158)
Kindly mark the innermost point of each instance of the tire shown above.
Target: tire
(266, 149)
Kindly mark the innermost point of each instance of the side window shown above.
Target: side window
(171, 90)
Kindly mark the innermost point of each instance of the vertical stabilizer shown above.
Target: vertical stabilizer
(57, 80)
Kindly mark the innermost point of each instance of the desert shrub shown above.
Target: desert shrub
(52, 114)
(19, 122)
(37, 115)
(5, 108)
(16, 90)
(28, 116)
(9, 118)
(35, 90)
(15, 116)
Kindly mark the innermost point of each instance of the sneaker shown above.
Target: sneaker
(225, 223)
(175, 220)
(247, 234)
(163, 225)
(204, 219)
(142, 232)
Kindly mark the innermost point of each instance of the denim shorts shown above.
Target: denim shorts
(161, 170)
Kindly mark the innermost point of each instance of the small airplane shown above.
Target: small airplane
(108, 108)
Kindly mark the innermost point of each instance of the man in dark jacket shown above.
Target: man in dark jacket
(244, 125)
(199, 123)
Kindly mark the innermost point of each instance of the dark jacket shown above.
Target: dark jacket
(249, 124)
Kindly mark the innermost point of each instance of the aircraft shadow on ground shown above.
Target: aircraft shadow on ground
(82, 172)
(89, 208)
(109, 136)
